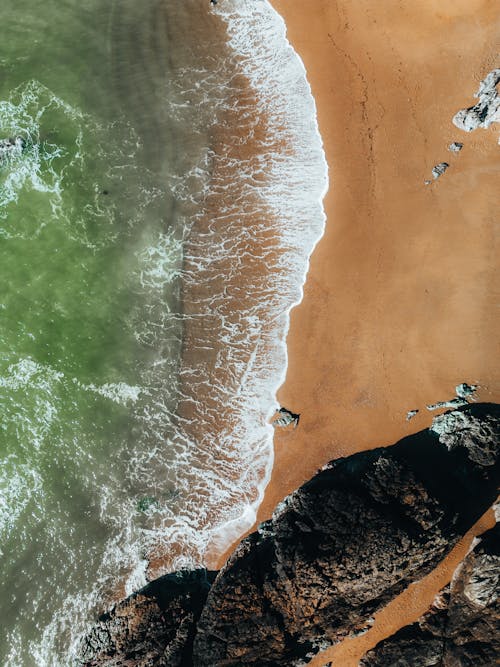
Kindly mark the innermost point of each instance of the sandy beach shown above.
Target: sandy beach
(400, 301)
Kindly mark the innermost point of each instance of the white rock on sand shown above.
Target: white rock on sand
(487, 110)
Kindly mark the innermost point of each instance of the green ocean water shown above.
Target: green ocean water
(93, 215)
(154, 234)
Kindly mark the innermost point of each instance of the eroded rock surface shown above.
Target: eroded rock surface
(346, 543)
(154, 626)
(467, 431)
(439, 169)
(487, 110)
(335, 551)
(286, 417)
(462, 627)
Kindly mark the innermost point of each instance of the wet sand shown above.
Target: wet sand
(399, 304)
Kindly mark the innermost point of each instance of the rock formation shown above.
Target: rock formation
(462, 627)
(286, 417)
(410, 414)
(154, 626)
(455, 147)
(346, 543)
(439, 169)
(335, 552)
(463, 392)
(487, 110)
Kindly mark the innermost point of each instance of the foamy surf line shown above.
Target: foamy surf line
(295, 191)
(199, 493)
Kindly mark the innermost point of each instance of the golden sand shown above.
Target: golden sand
(400, 303)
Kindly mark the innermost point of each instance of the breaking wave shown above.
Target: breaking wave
(180, 450)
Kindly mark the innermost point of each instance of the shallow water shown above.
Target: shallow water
(91, 231)
(154, 234)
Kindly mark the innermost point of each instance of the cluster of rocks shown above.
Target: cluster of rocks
(482, 114)
(463, 393)
(462, 626)
(334, 553)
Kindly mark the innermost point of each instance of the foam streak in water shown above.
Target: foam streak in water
(245, 264)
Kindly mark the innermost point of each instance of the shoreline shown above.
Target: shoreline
(234, 530)
(245, 264)
(397, 307)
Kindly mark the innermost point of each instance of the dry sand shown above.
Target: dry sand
(400, 302)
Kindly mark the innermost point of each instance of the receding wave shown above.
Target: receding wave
(141, 420)
(245, 264)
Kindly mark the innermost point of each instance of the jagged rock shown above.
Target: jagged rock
(11, 147)
(343, 545)
(334, 553)
(410, 414)
(487, 110)
(439, 169)
(466, 431)
(154, 626)
(462, 627)
(286, 417)
(455, 147)
(452, 403)
(465, 390)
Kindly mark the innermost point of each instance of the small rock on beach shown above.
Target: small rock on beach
(439, 169)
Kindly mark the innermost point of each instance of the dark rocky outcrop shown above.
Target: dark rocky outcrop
(335, 552)
(462, 627)
(487, 110)
(11, 147)
(346, 543)
(410, 414)
(439, 169)
(286, 417)
(154, 626)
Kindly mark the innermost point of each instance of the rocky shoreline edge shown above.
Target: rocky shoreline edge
(334, 553)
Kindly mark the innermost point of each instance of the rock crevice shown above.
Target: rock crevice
(334, 553)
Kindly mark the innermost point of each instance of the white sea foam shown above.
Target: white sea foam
(32, 167)
(201, 482)
(217, 466)
(29, 420)
(292, 185)
(119, 392)
(18, 483)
